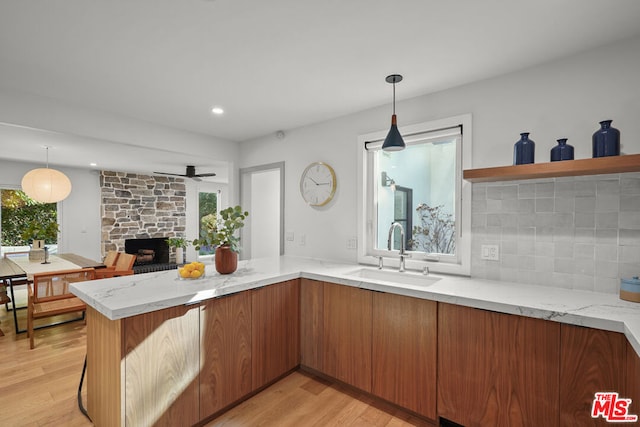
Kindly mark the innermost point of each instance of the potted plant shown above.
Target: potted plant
(38, 233)
(180, 244)
(219, 231)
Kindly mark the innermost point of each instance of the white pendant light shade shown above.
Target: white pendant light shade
(46, 185)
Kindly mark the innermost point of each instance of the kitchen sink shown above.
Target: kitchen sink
(404, 278)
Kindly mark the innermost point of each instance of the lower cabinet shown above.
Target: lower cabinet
(404, 352)
(346, 338)
(162, 367)
(382, 343)
(591, 361)
(225, 351)
(275, 331)
(311, 323)
(633, 379)
(497, 369)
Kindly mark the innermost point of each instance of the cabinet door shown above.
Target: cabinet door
(404, 352)
(346, 341)
(497, 369)
(633, 379)
(162, 367)
(592, 360)
(311, 324)
(225, 329)
(275, 331)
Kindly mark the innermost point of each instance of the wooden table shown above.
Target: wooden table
(22, 269)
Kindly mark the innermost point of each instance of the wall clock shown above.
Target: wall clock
(318, 184)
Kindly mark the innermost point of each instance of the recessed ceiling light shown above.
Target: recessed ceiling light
(93, 164)
(217, 110)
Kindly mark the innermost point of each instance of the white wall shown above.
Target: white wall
(265, 222)
(565, 98)
(79, 214)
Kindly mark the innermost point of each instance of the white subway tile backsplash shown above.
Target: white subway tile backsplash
(544, 204)
(607, 203)
(572, 232)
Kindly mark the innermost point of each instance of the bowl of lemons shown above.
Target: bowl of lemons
(192, 271)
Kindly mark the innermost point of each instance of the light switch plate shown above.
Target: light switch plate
(490, 252)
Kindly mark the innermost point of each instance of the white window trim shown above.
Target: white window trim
(365, 225)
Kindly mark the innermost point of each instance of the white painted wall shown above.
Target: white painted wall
(566, 98)
(78, 214)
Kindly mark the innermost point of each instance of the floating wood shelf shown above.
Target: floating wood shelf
(597, 166)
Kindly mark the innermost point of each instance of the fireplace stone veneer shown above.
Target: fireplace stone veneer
(135, 206)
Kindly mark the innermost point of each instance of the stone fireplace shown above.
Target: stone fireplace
(137, 207)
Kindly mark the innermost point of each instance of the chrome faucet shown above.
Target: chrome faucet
(403, 254)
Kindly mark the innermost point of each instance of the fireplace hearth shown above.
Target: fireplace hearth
(152, 254)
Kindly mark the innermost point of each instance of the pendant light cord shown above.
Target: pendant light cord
(47, 147)
(394, 103)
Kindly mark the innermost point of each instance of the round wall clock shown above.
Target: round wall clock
(318, 184)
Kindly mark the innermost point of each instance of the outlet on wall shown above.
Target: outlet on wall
(490, 252)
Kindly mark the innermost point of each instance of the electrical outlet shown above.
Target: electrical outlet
(352, 243)
(490, 252)
(289, 236)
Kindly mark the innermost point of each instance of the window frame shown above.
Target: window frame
(367, 205)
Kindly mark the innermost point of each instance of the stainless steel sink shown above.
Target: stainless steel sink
(404, 278)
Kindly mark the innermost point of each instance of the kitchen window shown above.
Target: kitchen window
(421, 188)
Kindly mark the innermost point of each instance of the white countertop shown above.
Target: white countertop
(127, 296)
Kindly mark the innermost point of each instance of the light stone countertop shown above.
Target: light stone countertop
(126, 296)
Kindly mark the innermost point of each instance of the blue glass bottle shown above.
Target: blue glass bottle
(562, 151)
(524, 150)
(606, 140)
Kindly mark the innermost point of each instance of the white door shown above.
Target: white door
(262, 196)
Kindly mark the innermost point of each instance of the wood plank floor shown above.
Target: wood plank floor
(39, 388)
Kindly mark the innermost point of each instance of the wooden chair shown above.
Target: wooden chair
(110, 259)
(49, 295)
(123, 267)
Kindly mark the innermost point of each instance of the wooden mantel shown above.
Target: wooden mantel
(596, 166)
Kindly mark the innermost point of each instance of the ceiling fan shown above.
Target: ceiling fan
(190, 173)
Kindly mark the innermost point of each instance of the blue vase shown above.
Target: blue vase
(524, 150)
(562, 151)
(606, 140)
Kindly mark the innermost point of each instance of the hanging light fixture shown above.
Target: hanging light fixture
(393, 141)
(46, 185)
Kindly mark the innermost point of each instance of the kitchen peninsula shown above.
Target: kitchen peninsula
(162, 349)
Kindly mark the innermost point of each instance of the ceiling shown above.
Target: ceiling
(278, 64)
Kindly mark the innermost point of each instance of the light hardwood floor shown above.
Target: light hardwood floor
(39, 388)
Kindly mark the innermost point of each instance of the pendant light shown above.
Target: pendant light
(393, 141)
(46, 185)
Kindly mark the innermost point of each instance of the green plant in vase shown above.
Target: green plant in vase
(180, 244)
(219, 231)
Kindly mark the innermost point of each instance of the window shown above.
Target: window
(207, 204)
(24, 220)
(420, 188)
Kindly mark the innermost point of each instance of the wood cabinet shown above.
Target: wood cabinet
(225, 352)
(497, 369)
(632, 374)
(346, 343)
(162, 367)
(404, 352)
(592, 360)
(311, 323)
(275, 331)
